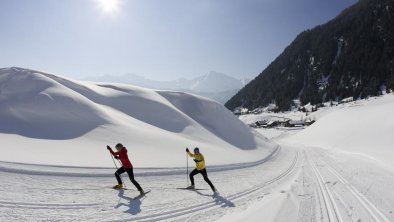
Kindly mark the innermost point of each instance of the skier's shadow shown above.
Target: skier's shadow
(221, 201)
(134, 206)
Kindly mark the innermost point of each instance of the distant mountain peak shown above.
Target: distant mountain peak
(214, 85)
(218, 74)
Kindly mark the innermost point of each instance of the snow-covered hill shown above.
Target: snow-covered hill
(362, 127)
(47, 119)
(347, 171)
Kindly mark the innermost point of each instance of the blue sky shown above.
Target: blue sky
(158, 39)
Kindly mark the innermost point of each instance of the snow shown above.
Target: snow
(341, 43)
(348, 159)
(337, 169)
(47, 119)
(363, 128)
(214, 85)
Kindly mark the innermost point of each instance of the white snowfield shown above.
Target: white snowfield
(363, 127)
(63, 176)
(46, 119)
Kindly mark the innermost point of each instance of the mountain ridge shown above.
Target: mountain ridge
(214, 85)
(349, 56)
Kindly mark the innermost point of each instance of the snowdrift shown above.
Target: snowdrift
(362, 127)
(47, 119)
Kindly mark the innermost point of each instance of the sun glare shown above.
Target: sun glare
(109, 6)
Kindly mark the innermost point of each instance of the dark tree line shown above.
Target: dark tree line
(350, 56)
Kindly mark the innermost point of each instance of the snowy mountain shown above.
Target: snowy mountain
(215, 82)
(350, 56)
(53, 120)
(214, 85)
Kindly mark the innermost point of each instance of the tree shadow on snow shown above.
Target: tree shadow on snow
(134, 203)
(219, 200)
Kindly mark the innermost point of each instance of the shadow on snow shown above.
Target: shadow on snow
(134, 205)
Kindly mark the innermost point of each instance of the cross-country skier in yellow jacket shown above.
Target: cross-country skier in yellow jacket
(200, 168)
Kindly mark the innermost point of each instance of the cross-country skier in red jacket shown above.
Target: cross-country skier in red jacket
(121, 154)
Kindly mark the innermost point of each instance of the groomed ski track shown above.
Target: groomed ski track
(31, 194)
(339, 199)
(311, 184)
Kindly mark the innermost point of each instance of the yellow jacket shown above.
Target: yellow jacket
(200, 164)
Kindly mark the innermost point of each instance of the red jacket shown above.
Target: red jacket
(122, 154)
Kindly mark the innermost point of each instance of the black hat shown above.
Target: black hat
(119, 146)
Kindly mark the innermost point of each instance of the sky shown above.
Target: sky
(157, 39)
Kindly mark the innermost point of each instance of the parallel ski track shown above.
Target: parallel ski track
(48, 205)
(375, 213)
(212, 204)
(330, 205)
(65, 206)
(67, 171)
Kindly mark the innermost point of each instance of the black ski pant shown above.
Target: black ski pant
(131, 176)
(204, 174)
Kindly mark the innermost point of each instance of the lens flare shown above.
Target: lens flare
(109, 6)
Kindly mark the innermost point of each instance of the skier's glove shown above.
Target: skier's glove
(187, 149)
(116, 157)
(196, 160)
(108, 148)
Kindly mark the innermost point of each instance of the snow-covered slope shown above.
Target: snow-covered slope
(362, 127)
(46, 119)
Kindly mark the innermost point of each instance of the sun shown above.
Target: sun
(109, 6)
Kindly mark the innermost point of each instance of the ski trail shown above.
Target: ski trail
(218, 200)
(49, 170)
(76, 198)
(10, 204)
(331, 207)
(373, 211)
(338, 194)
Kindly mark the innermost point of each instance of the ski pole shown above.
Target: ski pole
(121, 179)
(114, 161)
(187, 170)
(120, 163)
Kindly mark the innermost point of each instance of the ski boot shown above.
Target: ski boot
(191, 187)
(118, 186)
